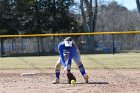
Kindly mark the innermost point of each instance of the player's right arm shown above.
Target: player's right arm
(60, 50)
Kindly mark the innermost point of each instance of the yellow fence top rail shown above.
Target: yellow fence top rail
(70, 34)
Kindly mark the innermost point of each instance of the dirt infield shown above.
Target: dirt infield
(100, 81)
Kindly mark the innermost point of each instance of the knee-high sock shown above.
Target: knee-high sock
(57, 73)
(82, 69)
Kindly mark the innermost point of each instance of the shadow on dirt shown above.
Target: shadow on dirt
(94, 83)
(91, 83)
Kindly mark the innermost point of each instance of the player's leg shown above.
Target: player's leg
(57, 71)
(80, 65)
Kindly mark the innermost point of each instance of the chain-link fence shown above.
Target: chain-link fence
(47, 45)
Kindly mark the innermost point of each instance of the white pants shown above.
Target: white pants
(76, 58)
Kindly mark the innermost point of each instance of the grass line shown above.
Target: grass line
(91, 61)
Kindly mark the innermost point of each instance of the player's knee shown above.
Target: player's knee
(79, 63)
(57, 67)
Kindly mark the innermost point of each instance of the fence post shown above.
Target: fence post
(113, 45)
(38, 45)
(1, 47)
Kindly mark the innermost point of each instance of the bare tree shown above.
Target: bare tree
(89, 15)
(138, 4)
(95, 15)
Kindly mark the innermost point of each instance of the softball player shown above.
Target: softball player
(68, 50)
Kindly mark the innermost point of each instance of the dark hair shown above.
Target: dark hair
(68, 39)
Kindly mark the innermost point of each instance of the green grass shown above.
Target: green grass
(126, 60)
(91, 61)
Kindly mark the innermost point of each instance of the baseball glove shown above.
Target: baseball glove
(70, 77)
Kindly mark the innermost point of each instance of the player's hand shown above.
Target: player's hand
(67, 69)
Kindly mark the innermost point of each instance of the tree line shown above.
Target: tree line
(56, 16)
(35, 16)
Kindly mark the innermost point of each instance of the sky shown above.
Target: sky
(129, 4)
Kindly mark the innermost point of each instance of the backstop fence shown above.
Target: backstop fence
(46, 44)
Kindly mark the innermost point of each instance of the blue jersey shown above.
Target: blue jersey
(66, 50)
